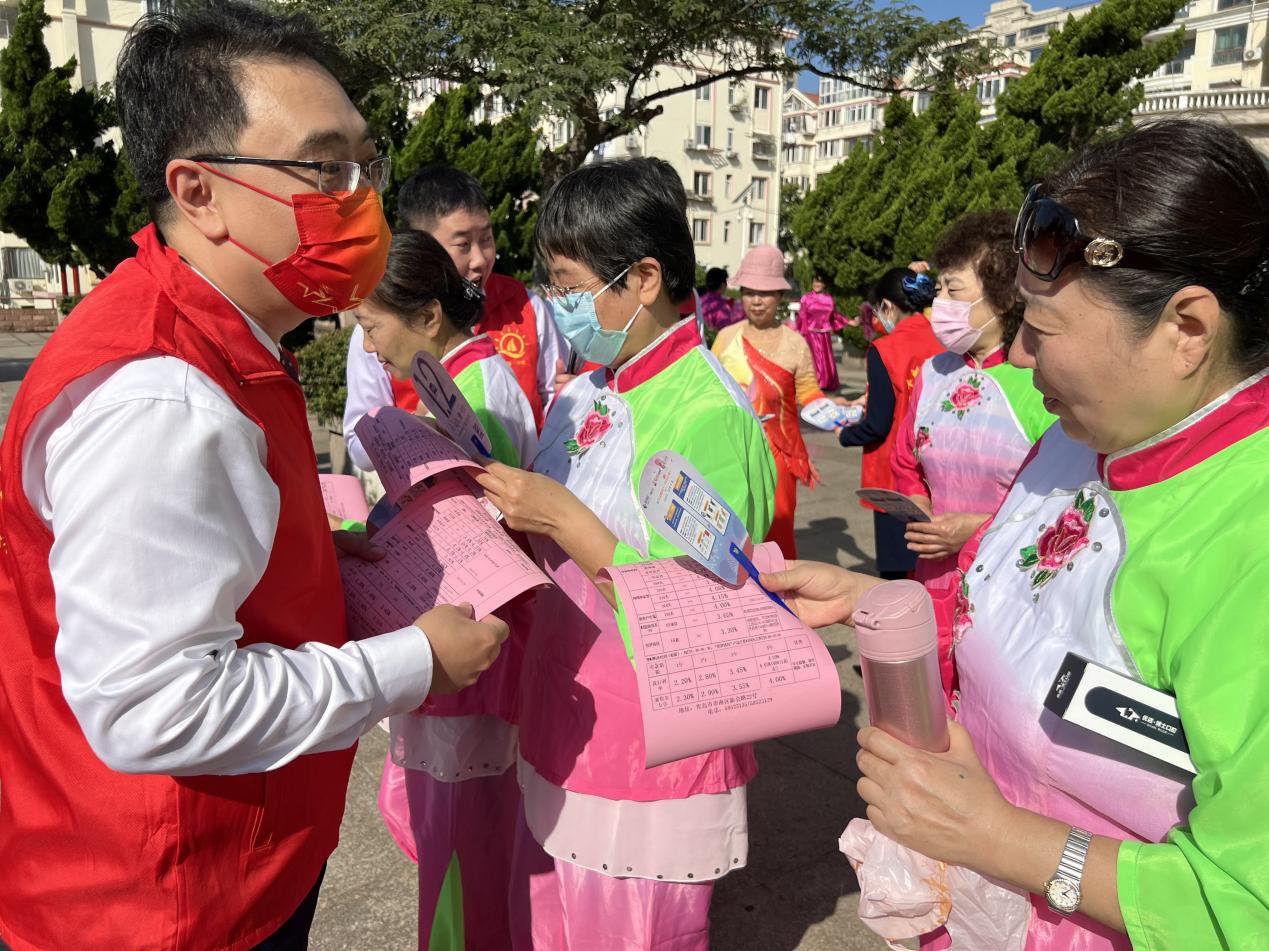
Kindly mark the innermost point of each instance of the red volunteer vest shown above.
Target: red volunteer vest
(93, 858)
(513, 327)
(902, 352)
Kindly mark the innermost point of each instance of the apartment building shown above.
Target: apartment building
(1219, 71)
(92, 31)
(723, 138)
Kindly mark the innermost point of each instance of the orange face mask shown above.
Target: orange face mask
(342, 251)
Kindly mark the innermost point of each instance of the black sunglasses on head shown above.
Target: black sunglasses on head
(1048, 240)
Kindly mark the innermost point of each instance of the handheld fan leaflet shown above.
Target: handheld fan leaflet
(441, 395)
(689, 513)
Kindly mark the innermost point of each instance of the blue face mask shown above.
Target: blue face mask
(575, 316)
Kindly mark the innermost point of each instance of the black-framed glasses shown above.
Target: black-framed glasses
(1048, 240)
(333, 178)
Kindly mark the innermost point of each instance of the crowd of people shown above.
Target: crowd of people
(1074, 395)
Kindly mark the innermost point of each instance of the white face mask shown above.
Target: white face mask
(886, 316)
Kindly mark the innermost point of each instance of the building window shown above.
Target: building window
(1010, 40)
(700, 230)
(702, 183)
(757, 233)
(703, 92)
(1034, 53)
(731, 138)
(704, 135)
(1178, 65)
(727, 186)
(1230, 41)
(1230, 4)
(760, 189)
(761, 97)
(726, 231)
(1039, 29)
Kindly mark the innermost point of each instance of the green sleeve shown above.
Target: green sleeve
(729, 449)
(1208, 885)
(1026, 401)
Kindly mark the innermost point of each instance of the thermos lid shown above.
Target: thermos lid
(895, 621)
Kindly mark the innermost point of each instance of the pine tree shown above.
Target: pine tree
(884, 209)
(502, 156)
(62, 189)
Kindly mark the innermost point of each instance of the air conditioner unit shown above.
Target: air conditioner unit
(737, 106)
(732, 154)
(1253, 54)
(632, 143)
(21, 287)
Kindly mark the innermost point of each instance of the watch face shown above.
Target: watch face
(1063, 895)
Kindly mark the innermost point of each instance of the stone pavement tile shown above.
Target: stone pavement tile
(369, 899)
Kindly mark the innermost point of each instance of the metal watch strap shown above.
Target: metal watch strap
(1071, 864)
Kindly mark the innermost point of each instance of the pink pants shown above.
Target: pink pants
(570, 908)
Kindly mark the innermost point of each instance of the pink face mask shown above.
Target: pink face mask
(950, 321)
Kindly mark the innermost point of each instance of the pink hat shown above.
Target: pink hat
(762, 269)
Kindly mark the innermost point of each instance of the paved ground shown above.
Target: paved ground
(797, 893)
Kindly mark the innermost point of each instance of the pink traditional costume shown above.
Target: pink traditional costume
(967, 430)
(622, 857)
(817, 320)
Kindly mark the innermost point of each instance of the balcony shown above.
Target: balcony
(1208, 100)
(764, 148)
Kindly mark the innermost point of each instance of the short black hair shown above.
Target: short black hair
(905, 288)
(715, 278)
(983, 242)
(435, 191)
(1190, 196)
(178, 76)
(420, 271)
(611, 214)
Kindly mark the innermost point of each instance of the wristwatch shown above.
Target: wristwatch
(1062, 891)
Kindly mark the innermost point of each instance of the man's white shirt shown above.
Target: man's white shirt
(155, 487)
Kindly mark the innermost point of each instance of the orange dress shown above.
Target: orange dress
(776, 368)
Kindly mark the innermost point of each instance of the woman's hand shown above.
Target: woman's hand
(943, 805)
(356, 545)
(945, 535)
(529, 502)
(841, 401)
(819, 594)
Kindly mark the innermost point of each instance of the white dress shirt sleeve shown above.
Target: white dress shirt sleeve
(163, 516)
(551, 347)
(368, 387)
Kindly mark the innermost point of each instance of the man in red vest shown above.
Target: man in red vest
(179, 703)
(449, 204)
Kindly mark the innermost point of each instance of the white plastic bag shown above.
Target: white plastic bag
(903, 895)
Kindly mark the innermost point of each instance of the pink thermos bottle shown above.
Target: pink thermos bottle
(898, 650)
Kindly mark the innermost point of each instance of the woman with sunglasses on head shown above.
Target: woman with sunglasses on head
(449, 793)
(898, 302)
(621, 856)
(1133, 537)
(774, 363)
(973, 416)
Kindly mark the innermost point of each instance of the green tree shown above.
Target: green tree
(596, 63)
(888, 207)
(502, 156)
(63, 190)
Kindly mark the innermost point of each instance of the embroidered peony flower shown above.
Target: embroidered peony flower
(593, 428)
(1060, 543)
(922, 441)
(965, 396)
(597, 422)
(1063, 541)
(962, 613)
